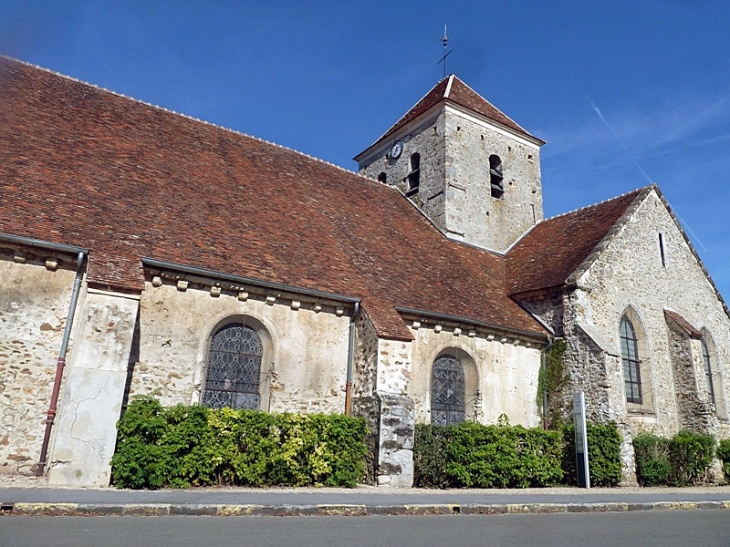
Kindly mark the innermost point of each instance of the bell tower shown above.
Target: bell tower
(472, 170)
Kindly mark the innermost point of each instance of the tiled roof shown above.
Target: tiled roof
(555, 248)
(83, 166)
(454, 90)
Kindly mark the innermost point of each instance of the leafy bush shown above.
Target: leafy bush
(604, 454)
(691, 456)
(682, 460)
(651, 454)
(723, 453)
(430, 455)
(186, 446)
(474, 455)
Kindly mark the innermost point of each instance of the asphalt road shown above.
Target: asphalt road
(646, 529)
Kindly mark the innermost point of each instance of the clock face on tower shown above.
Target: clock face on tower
(396, 150)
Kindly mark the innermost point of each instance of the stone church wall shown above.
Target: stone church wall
(501, 374)
(472, 214)
(305, 351)
(34, 302)
(427, 140)
(630, 273)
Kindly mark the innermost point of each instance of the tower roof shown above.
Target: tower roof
(452, 90)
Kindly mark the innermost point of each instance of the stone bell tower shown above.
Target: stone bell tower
(470, 168)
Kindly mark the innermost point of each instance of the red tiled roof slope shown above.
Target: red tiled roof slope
(460, 93)
(555, 248)
(83, 166)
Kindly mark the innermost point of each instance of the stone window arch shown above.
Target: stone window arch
(233, 375)
(448, 388)
(455, 394)
(715, 391)
(496, 176)
(414, 175)
(635, 362)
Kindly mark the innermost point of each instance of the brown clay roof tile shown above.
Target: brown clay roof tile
(554, 249)
(83, 166)
(452, 89)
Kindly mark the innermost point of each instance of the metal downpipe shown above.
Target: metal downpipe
(350, 361)
(61, 363)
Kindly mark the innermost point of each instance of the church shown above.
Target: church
(146, 252)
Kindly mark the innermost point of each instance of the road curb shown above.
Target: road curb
(222, 510)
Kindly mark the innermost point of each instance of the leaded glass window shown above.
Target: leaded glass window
(234, 368)
(708, 371)
(631, 362)
(447, 391)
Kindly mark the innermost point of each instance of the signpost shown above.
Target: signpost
(581, 440)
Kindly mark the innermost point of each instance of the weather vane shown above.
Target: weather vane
(445, 42)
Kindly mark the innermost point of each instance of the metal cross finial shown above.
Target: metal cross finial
(445, 42)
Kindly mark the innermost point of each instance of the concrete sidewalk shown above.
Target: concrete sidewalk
(32, 497)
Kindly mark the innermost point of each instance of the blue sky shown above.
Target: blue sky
(624, 92)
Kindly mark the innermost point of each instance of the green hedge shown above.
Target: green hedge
(723, 453)
(682, 460)
(604, 454)
(184, 446)
(489, 456)
(486, 456)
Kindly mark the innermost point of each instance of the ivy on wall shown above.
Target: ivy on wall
(551, 381)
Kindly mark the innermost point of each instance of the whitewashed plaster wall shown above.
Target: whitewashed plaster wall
(630, 273)
(305, 352)
(85, 432)
(34, 303)
(504, 371)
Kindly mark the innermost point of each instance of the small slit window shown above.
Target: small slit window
(661, 250)
(496, 177)
(414, 175)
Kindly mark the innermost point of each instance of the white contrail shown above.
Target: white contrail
(621, 142)
(631, 156)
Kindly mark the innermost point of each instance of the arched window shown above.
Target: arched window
(708, 371)
(631, 362)
(414, 176)
(713, 374)
(234, 368)
(383, 177)
(447, 391)
(496, 178)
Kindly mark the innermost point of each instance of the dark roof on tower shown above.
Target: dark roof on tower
(83, 166)
(452, 90)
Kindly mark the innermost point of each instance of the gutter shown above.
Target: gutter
(61, 363)
(32, 242)
(202, 272)
(456, 319)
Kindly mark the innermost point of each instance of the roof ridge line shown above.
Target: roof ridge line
(181, 114)
(447, 91)
(407, 111)
(579, 209)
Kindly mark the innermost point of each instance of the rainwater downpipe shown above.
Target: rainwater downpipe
(61, 363)
(350, 361)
